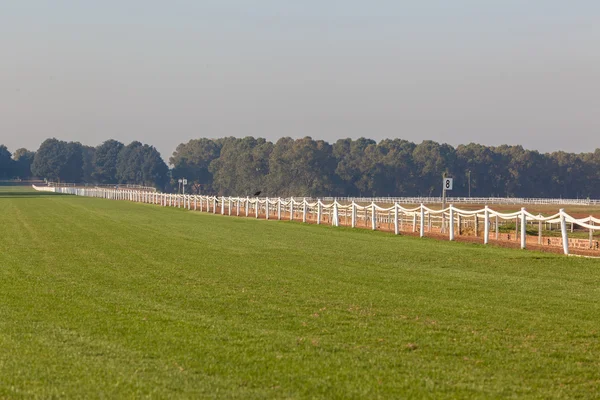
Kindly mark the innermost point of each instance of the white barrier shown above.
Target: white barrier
(465, 200)
(44, 188)
(450, 216)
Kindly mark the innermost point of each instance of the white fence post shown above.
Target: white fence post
(373, 216)
(486, 229)
(451, 225)
(334, 222)
(523, 229)
(318, 212)
(422, 231)
(267, 207)
(563, 230)
(396, 231)
(353, 214)
(591, 234)
(279, 208)
(304, 210)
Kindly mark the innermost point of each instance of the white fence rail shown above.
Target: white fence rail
(372, 215)
(464, 200)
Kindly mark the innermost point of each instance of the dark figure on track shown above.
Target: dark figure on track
(258, 193)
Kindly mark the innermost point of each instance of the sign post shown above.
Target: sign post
(447, 184)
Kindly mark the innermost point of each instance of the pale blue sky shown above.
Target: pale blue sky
(164, 72)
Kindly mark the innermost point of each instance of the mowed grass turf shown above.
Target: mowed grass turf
(110, 299)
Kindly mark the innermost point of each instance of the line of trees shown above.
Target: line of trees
(392, 167)
(15, 165)
(307, 167)
(110, 163)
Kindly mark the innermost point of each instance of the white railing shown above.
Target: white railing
(44, 188)
(372, 215)
(465, 200)
(103, 185)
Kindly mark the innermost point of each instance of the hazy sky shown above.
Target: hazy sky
(163, 72)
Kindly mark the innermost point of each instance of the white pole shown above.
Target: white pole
(396, 231)
(373, 216)
(229, 206)
(591, 233)
(523, 229)
(335, 214)
(304, 210)
(279, 208)
(222, 205)
(451, 223)
(318, 212)
(267, 207)
(422, 233)
(497, 228)
(291, 208)
(486, 229)
(247, 205)
(563, 229)
(353, 214)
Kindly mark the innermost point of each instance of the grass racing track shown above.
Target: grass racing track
(104, 298)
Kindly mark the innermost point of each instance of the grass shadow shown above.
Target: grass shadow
(26, 194)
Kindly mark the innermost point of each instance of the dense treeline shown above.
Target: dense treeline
(16, 165)
(307, 167)
(363, 167)
(110, 163)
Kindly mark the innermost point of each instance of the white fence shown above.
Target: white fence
(45, 189)
(372, 215)
(465, 200)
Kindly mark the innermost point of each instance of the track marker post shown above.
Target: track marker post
(563, 230)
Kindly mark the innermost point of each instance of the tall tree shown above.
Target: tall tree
(6, 163)
(432, 160)
(129, 164)
(155, 171)
(192, 161)
(351, 164)
(242, 166)
(23, 160)
(302, 167)
(58, 160)
(481, 168)
(399, 175)
(88, 155)
(105, 161)
(141, 165)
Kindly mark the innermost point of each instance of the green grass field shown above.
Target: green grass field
(107, 299)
